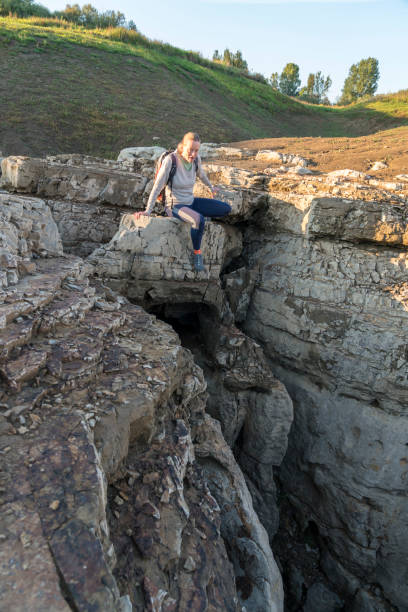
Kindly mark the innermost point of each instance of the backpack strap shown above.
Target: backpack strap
(171, 173)
(172, 169)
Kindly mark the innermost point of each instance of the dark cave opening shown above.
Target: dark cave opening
(184, 318)
(187, 320)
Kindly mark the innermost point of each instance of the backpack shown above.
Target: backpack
(162, 195)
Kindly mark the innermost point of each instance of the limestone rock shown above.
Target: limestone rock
(269, 155)
(346, 173)
(241, 189)
(368, 602)
(249, 403)
(330, 316)
(25, 548)
(235, 177)
(301, 170)
(284, 158)
(209, 150)
(173, 528)
(26, 229)
(320, 289)
(150, 260)
(258, 579)
(80, 183)
(239, 286)
(84, 227)
(378, 165)
(131, 153)
(357, 221)
(101, 489)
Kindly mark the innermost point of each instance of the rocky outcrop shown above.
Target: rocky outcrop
(257, 576)
(87, 196)
(150, 260)
(73, 180)
(330, 312)
(312, 268)
(27, 230)
(110, 467)
(251, 405)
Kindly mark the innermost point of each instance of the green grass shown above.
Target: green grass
(64, 88)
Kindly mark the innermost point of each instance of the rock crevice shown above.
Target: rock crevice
(102, 435)
(299, 317)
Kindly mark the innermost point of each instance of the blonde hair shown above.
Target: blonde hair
(188, 136)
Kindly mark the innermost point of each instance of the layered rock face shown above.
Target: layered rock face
(330, 311)
(150, 260)
(87, 196)
(329, 308)
(118, 491)
(306, 282)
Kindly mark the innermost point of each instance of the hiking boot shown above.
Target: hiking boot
(198, 262)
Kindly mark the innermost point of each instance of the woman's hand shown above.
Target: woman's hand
(214, 191)
(140, 213)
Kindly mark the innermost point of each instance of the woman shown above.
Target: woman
(179, 198)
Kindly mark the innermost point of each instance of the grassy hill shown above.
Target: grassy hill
(66, 89)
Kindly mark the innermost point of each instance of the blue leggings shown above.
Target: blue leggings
(195, 215)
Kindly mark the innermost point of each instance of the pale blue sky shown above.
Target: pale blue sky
(326, 35)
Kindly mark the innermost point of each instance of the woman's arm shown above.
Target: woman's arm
(202, 175)
(160, 182)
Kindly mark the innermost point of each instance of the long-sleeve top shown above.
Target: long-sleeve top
(183, 183)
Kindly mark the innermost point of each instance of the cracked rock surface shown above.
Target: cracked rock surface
(105, 500)
(312, 268)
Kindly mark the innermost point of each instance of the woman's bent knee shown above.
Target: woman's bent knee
(225, 208)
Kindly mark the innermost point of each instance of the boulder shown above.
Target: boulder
(268, 155)
(347, 173)
(132, 153)
(284, 158)
(209, 150)
(300, 170)
(378, 165)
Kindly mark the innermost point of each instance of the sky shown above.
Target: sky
(325, 35)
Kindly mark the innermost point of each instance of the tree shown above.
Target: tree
(316, 88)
(239, 62)
(362, 81)
(227, 59)
(274, 80)
(89, 17)
(231, 59)
(71, 13)
(23, 8)
(289, 81)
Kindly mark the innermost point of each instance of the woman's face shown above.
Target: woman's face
(190, 150)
